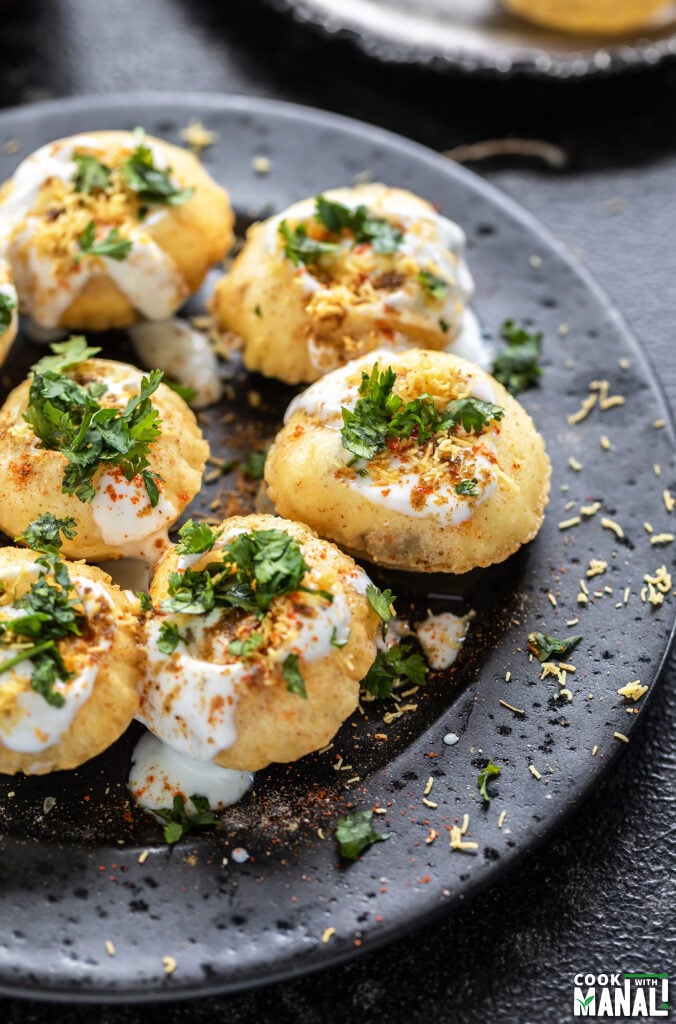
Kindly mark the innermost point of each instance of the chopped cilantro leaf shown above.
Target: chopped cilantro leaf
(490, 771)
(299, 247)
(145, 601)
(244, 649)
(179, 822)
(7, 307)
(395, 663)
(254, 569)
(335, 642)
(170, 637)
(44, 533)
(90, 175)
(67, 417)
(114, 246)
(381, 601)
(196, 537)
(257, 310)
(468, 487)
(292, 677)
(517, 367)
(444, 325)
(64, 354)
(336, 217)
(182, 390)
(253, 465)
(151, 184)
(546, 647)
(433, 284)
(471, 414)
(355, 834)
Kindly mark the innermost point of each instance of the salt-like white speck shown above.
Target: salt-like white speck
(450, 739)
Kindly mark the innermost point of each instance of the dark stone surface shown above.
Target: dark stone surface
(599, 895)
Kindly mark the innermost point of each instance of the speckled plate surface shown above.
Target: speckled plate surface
(479, 35)
(74, 874)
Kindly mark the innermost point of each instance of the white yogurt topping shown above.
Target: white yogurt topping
(40, 724)
(148, 276)
(441, 637)
(158, 773)
(183, 353)
(469, 343)
(125, 518)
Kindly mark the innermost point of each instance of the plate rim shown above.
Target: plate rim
(618, 57)
(389, 933)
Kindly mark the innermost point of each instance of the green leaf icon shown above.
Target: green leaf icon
(586, 1001)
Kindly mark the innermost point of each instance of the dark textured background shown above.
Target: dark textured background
(600, 895)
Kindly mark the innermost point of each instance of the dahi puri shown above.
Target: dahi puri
(468, 496)
(91, 708)
(119, 521)
(245, 710)
(103, 229)
(393, 274)
(588, 16)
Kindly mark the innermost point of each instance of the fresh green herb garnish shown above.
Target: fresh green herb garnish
(170, 637)
(471, 414)
(7, 307)
(257, 310)
(335, 642)
(444, 325)
(490, 771)
(151, 184)
(355, 834)
(253, 465)
(382, 235)
(196, 538)
(52, 610)
(396, 662)
(67, 417)
(244, 649)
(145, 601)
(433, 284)
(382, 602)
(468, 487)
(90, 175)
(379, 415)
(517, 367)
(255, 568)
(44, 533)
(546, 647)
(179, 822)
(299, 247)
(292, 677)
(114, 246)
(182, 390)
(65, 354)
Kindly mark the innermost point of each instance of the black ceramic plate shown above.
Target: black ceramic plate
(73, 878)
(479, 35)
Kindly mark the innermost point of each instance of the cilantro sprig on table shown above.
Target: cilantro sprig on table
(52, 610)
(397, 662)
(517, 367)
(253, 570)
(546, 647)
(355, 834)
(178, 822)
(379, 416)
(491, 771)
(67, 417)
